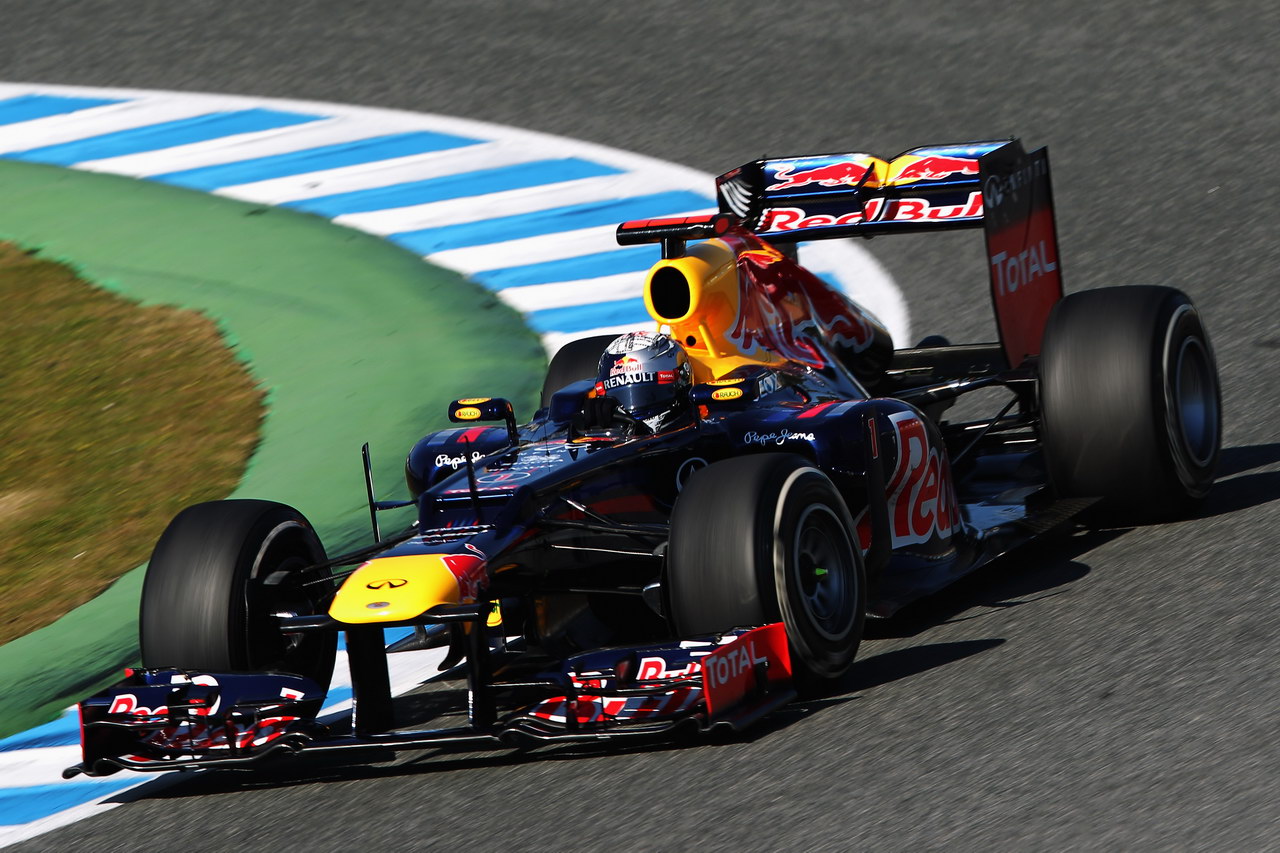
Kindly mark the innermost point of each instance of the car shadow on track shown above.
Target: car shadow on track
(1037, 571)
(306, 770)
(1033, 573)
(1237, 460)
(1241, 493)
(1236, 493)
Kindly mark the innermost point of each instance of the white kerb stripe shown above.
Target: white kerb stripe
(83, 124)
(533, 250)
(381, 173)
(587, 291)
(247, 146)
(554, 340)
(477, 208)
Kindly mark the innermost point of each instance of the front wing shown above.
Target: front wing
(167, 719)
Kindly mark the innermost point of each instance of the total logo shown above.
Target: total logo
(731, 663)
(1014, 271)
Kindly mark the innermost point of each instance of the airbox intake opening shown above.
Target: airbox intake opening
(669, 293)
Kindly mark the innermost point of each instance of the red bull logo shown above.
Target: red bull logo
(933, 168)
(840, 174)
(626, 364)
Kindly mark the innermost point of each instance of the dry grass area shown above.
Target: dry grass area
(112, 418)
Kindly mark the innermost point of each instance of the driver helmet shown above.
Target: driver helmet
(648, 374)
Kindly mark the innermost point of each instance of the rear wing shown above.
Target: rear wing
(992, 184)
(842, 195)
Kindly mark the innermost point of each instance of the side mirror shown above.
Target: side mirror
(471, 409)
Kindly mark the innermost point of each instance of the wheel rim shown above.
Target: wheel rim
(1196, 400)
(268, 647)
(823, 562)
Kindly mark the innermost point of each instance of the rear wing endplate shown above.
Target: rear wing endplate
(1022, 246)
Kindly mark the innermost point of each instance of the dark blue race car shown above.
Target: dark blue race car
(700, 516)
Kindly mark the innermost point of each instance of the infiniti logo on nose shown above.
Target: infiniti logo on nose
(391, 583)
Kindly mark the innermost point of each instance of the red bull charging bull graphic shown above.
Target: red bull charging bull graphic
(848, 171)
(931, 168)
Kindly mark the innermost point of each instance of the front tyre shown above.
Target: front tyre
(767, 538)
(1130, 405)
(217, 578)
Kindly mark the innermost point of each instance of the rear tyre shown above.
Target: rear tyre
(1130, 406)
(219, 573)
(574, 361)
(767, 538)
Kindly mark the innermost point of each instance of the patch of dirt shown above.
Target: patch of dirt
(113, 417)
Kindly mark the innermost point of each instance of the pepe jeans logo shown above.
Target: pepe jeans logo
(389, 583)
(776, 437)
(454, 461)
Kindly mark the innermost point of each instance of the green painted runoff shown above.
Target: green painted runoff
(353, 338)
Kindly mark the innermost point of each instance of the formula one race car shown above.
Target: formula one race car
(697, 520)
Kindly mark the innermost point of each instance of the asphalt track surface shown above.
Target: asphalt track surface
(1108, 690)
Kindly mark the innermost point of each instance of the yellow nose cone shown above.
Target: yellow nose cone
(392, 589)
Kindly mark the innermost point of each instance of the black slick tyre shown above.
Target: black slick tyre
(1131, 410)
(767, 538)
(574, 361)
(219, 573)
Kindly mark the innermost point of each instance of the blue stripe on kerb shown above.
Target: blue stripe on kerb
(519, 176)
(23, 805)
(551, 221)
(318, 159)
(166, 134)
(338, 694)
(31, 107)
(580, 318)
(389, 636)
(630, 259)
(64, 731)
